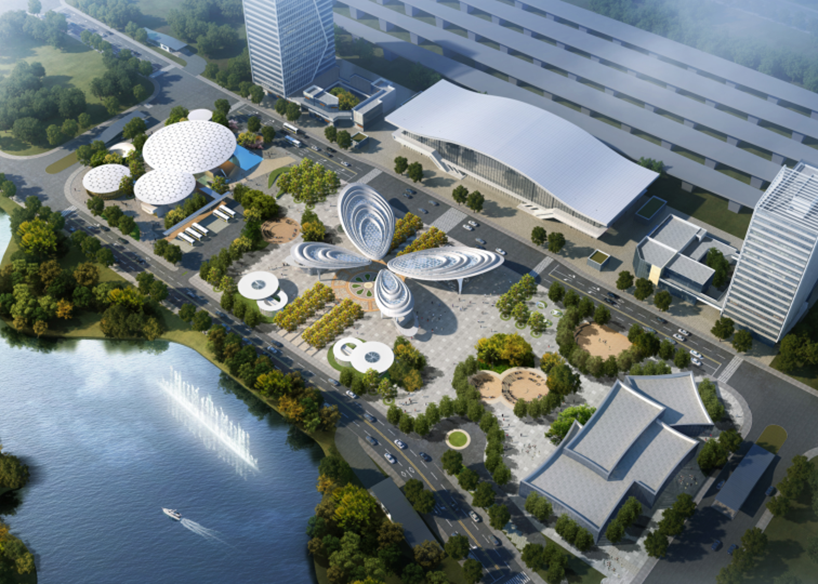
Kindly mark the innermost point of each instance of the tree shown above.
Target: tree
(723, 328)
(37, 237)
(139, 92)
(662, 300)
(730, 440)
(539, 507)
(457, 547)
(133, 128)
(253, 124)
(111, 104)
(415, 171)
(84, 120)
(428, 554)
(656, 544)
(406, 423)
(556, 241)
(624, 281)
(468, 479)
(743, 340)
(644, 288)
(583, 540)
(499, 515)
(268, 134)
(53, 134)
(483, 496)
(393, 414)
(502, 474)
(256, 93)
(556, 292)
(126, 224)
(539, 236)
(293, 111)
(460, 194)
(187, 312)
(281, 106)
(615, 531)
(28, 130)
(472, 571)
(681, 359)
(521, 313)
(202, 321)
(779, 505)
(452, 462)
(475, 201)
(711, 456)
(222, 105)
(69, 128)
(34, 6)
(401, 164)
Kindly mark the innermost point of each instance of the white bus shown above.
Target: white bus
(227, 211)
(221, 215)
(293, 141)
(290, 128)
(184, 237)
(200, 229)
(193, 233)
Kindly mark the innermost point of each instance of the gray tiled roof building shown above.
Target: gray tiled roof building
(632, 446)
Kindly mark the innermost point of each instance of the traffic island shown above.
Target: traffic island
(457, 439)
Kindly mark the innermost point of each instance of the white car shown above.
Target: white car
(351, 394)
(696, 354)
(474, 224)
(696, 362)
(684, 332)
(389, 457)
(501, 251)
(345, 163)
(679, 337)
(400, 444)
(273, 350)
(468, 228)
(314, 147)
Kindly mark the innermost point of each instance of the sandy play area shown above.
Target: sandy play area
(280, 230)
(601, 341)
(513, 384)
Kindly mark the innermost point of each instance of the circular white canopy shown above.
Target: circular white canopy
(258, 285)
(123, 148)
(275, 302)
(372, 355)
(343, 349)
(191, 146)
(200, 115)
(164, 187)
(105, 179)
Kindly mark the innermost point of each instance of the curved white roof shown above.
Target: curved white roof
(275, 302)
(123, 148)
(200, 115)
(445, 264)
(258, 285)
(324, 256)
(163, 187)
(191, 146)
(105, 179)
(392, 295)
(367, 219)
(562, 158)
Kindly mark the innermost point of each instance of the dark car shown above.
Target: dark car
(732, 548)
(609, 301)
(425, 456)
(495, 541)
(407, 195)
(370, 417)
(371, 440)
(411, 191)
(719, 486)
(122, 240)
(330, 149)
(334, 382)
(770, 491)
(434, 203)
(422, 210)
(716, 545)
(660, 319)
(614, 296)
(277, 344)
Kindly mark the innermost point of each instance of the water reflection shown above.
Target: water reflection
(209, 423)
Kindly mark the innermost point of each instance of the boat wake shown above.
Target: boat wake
(198, 529)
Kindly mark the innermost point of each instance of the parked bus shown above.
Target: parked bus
(200, 229)
(184, 237)
(193, 233)
(290, 128)
(227, 211)
(293, 141)
(221, 215)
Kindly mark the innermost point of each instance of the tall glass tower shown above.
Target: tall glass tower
(291, 42)
(774, 281)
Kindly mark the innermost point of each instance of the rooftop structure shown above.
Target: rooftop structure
(200, 115)
(165, 42)
(621, 82)
(367, 219)
(104, 180)
(631, 446)
(537, 157)
(258, 285)
(323, 256)
(164, 187)
(743, 480)
(290, 42)
(773, 284)
(392, 296)
(192, 147)
(673, 257)
(399, 510)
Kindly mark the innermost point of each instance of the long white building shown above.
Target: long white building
(774, 281)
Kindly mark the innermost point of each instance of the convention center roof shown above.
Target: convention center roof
(164, 187)
(562, 158)
(105, 179)
(191, 146)
(325, 256)
(367, 219)
(392, 296)
(448, 263)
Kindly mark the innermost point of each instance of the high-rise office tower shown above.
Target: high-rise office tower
(775, 278)
(291, 42)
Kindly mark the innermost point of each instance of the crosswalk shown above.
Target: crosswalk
(449, 220)
(369, 176)
(731, 368)
(68, 211)
(540, 267)
(518, 579)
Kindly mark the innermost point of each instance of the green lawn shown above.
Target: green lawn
(772, 438)
(457, 439)
(62, 164)
(273, 176)
(788, 538)
(702, 205)
(74, 66)
(650, 208)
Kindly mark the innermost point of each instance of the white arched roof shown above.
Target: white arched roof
(191, 146)
(439, 264)
(367, 219)
(163, 187)
(392, 295)
(325, 256)
(562, 158)
(200, 115)
(258, 285)
(105, 179)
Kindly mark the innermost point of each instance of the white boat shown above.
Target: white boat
(172, 513)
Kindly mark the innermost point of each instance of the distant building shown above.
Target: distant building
(165, 42)
(641, 435)
(774, 282)
(291, 42)
(672, 256)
